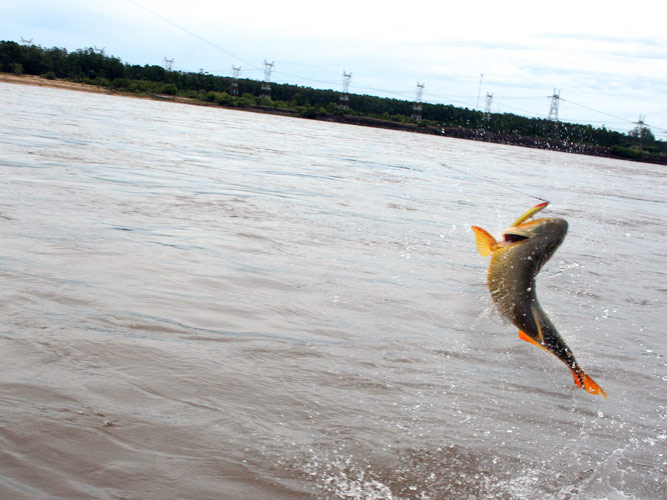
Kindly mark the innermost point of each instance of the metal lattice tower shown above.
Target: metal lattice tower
(487, 108)
(641, 125)
(417, 106)
(266, 86)
(344, 99)
(553, 109)
(168, 64)
(234, 91)
(26, 42)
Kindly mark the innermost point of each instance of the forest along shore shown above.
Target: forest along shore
(351, 119)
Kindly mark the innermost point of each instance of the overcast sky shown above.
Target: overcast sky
(608, 59)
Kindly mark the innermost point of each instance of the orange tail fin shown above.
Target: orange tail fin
(580, 378)
(588, 383)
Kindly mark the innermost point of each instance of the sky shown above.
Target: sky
(606, 60)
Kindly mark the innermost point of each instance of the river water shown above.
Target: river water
(211, 304)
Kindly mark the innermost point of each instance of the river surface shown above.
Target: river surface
(200, 303)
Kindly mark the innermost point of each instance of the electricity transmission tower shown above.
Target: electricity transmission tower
(234, 91)
(479, 90)
(487, 108)
(344, 99)
(553, 109)
(99, 51)
(266, 86)
(168, 64)
(641, 124)
(417, 106)
(26, 42)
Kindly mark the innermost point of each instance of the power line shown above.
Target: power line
(307, 79)
(189, 32)
(597, 111)
(452, 99)
(621, 119)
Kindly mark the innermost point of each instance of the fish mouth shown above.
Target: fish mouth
(523, 232)
(513, 237)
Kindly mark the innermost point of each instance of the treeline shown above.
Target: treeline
(92, 67)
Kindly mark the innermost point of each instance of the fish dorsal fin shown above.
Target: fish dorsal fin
(486, 244)
(529, 213)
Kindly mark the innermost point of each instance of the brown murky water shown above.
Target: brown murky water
(200, 303)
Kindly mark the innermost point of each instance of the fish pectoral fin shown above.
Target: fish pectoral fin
(581, 379)
(536, 318)
(486, 244)
(539, 341)
(524, 336)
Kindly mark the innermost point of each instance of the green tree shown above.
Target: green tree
(92, 67)
(642, 136)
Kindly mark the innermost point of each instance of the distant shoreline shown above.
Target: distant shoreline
(455, 132)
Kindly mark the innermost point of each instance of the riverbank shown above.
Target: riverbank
(366, 121)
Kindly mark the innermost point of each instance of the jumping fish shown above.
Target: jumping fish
(516, 260)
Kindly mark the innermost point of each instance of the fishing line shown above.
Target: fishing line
(510, 188)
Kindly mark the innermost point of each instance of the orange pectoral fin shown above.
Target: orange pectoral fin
(486, 243)
(524, 336)
(588, 383)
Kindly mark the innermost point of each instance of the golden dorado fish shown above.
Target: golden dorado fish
(516, 260)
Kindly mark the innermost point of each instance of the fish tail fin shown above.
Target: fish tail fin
(486, 243)
(583, 380)
(580, 378)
